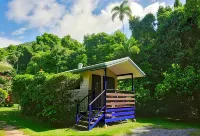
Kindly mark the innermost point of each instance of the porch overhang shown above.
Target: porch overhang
(124, 68)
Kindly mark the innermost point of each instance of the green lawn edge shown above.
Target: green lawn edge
(34, 127)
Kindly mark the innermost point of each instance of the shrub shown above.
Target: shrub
(3, 96)
(180, 91)
(47, 96)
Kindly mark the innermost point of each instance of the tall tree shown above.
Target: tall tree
(143, 30)
(177, 3)
(48, 39)
(122, 10)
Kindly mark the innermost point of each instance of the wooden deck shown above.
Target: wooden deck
(119, 106)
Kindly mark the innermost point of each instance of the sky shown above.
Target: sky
(22, 20)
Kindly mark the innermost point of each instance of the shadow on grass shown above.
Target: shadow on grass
(14, 118)
(170, 123)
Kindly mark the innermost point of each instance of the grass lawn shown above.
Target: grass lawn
(196, 133)
(34, 128)
(2, 132)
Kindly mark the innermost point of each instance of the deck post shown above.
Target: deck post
(134, 120)
(77, 112)
(105, 88)
(89, 116)
(132, 82)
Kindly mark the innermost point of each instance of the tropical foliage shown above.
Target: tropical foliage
(166, 47)
(3, 95)
(122, 10)
(4, 66)
(48, 96)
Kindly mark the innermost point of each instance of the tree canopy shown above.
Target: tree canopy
(166, 47)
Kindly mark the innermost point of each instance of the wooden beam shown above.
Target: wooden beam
(120, 118)
(119, 94)
(123, 113)
(125, 74)
(119, 109)
(119, 103)
(119, 99)
(132, 82)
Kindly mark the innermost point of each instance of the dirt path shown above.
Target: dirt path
(148, 131)
(11, 130)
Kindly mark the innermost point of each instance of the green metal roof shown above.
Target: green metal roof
(105, 65)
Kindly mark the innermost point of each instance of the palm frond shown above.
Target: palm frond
(114, 15)
(116, 8)
(127, 9)
(125, 2)
(128, 14)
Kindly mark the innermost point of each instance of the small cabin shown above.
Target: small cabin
(98, 95)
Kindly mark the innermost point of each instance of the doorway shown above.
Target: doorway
(96, 87)
(96, 84)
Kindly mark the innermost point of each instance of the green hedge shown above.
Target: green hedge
(3, 95)
(47, 96)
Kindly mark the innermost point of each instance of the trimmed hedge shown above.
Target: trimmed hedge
(47, 96)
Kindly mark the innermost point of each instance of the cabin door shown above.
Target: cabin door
(96, 87)
(96, 84)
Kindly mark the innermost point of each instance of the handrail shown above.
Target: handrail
(97, 97)
(95, 105)
(79, 106)
(97, 113)
(85, 97)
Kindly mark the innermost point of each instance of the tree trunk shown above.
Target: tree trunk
(123, 31)
(123, 26)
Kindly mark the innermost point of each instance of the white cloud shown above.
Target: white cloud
(50, 16)
(37, 13)
(19, 31)
(4, 42)
(21, 37)
(80, 21)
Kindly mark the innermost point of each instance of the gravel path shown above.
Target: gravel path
(11, 130)
(148, 131)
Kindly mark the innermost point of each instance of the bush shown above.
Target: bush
(180, 91)
(3, 96)
(47, 96)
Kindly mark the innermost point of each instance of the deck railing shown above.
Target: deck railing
(120, 106)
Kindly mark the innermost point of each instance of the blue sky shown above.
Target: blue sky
(23, 20)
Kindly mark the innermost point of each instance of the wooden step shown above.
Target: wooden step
(84, 122)
(86, 118)
(81, 126)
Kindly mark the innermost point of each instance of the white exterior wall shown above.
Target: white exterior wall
(84, 87)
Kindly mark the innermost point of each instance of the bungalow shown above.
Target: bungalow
(102, 100)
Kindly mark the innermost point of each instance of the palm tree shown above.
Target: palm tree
(121, 10)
